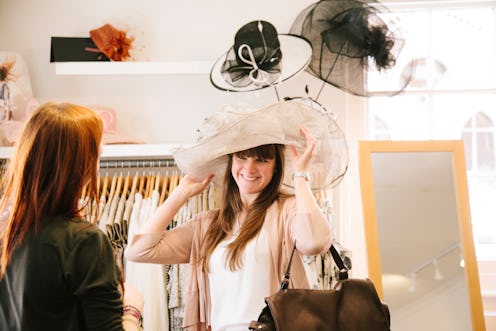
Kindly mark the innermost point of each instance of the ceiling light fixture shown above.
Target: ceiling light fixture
(437, 273)
(434, 261)
(413, 284)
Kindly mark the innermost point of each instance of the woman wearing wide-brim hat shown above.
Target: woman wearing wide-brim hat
(266, 162)
(238, 252)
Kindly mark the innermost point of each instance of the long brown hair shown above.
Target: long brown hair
(55, 156)
(231, 205)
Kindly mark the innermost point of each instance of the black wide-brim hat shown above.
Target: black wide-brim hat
(259, 58)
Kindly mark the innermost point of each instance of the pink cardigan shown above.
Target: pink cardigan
(182, 245)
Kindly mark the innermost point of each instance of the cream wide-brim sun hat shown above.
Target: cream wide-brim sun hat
(237, 128)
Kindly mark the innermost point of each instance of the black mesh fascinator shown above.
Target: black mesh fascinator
(260, 57)
(351, 40)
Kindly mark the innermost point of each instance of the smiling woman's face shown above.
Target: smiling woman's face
(252, 173)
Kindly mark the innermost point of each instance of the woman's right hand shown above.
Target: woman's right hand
(301, 162)
(192, 187)
(188, 187)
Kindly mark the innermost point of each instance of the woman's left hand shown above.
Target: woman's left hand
(301, 162)
(132, 297)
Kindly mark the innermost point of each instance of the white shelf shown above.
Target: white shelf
(133, 68)
(137, 151)
(122, 152)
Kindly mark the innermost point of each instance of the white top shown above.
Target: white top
(238, 297)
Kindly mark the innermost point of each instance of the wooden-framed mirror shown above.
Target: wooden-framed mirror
(418, 234)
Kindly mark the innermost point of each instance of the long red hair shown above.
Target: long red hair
(55, 157)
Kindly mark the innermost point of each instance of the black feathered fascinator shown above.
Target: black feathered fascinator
(352, 40)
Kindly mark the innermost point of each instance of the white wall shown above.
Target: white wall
(168, 108)
(164, 108)
(445, 308)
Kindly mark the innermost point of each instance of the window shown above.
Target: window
(478, 135)
(452, 96)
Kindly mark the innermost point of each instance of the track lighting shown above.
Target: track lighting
(413, 284)
(437, 273)
(435, 264)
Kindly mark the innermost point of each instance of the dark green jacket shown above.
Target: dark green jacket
(62, 278)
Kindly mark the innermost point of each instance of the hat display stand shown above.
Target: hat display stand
(16, 96)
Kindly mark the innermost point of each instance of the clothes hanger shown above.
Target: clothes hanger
(142, 182)
(174, 182)
(158, 182)
(165, 189)
(105, 186)
(112, 189)
(134, 185)
(120, 185)
(127, 183)
(98, 184)
(149, 182)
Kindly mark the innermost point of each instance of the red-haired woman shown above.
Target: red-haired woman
(57, 270)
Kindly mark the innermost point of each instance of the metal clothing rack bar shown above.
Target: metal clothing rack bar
(148, 163)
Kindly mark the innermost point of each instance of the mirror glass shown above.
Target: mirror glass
(419, 239)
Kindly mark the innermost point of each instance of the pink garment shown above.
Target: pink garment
(9, 130)
(182, 245)
(110, 134)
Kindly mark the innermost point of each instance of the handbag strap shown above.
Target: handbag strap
(343, 271)
(285, 280)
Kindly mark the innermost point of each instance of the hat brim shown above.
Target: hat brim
(296, 51)
(278, 123)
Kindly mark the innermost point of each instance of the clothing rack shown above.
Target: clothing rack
(148, 163)
(137, 156)
(131, 155)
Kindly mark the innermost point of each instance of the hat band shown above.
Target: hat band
(257, 76)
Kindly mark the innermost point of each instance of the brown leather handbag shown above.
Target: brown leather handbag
(353, 305)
